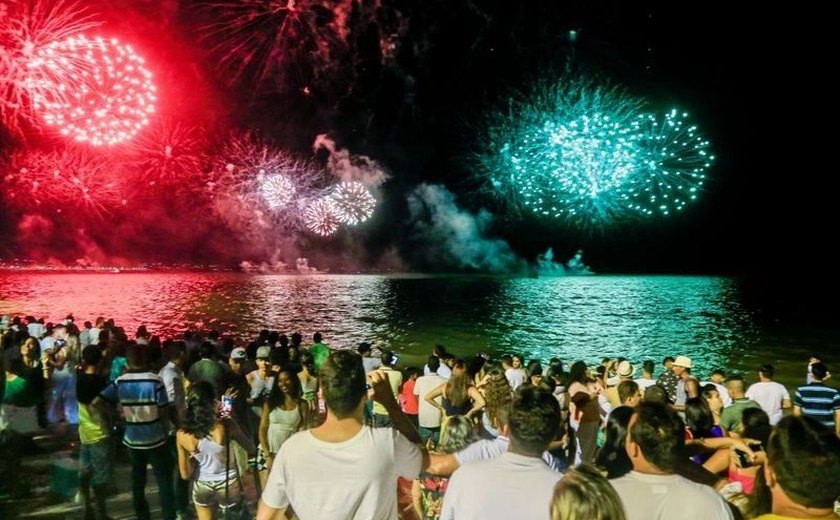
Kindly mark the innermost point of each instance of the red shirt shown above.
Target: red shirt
(410, 405)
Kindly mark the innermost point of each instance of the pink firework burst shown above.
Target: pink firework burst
(259, 37)
(353, 201)
(322, 217)
(112, 95)
(27, 26)
(245, 161)
(168, 155)
(65, 180)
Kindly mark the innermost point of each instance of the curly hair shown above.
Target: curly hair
(200, 416)
(457, 434)
(497, 394)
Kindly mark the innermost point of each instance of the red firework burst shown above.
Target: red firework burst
(110, 98)
(64, 180)
(26, 27)
(168, 155)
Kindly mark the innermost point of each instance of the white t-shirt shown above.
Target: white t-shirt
(644, 384)
(429, 416)
(665, 497)
(371, 364)
(355, 479)
(515, 377)
(509, 486)
(486, 449)
(769, 395)
(443, 370)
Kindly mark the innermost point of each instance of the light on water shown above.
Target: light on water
(639, 317)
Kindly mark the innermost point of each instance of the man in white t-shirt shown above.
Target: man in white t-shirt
(344, 469)
(652, 491)
(370, 363)
(647, 379)
(518, 484)
(429, 416)
(770, 395)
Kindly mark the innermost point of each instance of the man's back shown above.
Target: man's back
(354, 479)
(818, 401)
(663, 497)
(769, 395)
(209, 371)
(509, 486)
(141, 395)
(730, 418)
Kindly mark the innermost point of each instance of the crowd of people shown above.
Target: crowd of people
(324, 433)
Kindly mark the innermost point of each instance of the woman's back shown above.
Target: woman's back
(211, 457)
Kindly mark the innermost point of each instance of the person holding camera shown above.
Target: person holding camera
(61, 356)
(395, 379)
(204, 450)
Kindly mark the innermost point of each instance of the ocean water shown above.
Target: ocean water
(717, 321)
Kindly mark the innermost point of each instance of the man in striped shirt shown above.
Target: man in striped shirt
(819, 401)
(145, 407)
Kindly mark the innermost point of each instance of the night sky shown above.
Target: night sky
(756, 81)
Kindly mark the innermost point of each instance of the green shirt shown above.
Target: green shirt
(730, 418)
(320, 352)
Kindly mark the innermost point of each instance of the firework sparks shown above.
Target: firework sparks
(277, 190)
(65, 180)
(322, 217)
(114, 99)
(25, 28)
(674, 163)
(168, 155)
(590, 155)
(259, 37)
(353, 202)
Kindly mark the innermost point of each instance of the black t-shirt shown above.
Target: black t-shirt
(88, 387)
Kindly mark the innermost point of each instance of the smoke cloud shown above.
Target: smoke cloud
(444, 235)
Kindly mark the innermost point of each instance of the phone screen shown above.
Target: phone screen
(227, 406)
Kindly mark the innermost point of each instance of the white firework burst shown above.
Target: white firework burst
(353, 201)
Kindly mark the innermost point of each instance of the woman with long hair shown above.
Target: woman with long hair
(459, 396)
(585, 494)
(25, 381)
(497, 395)
(584, 412)
(284, 413)
(428, 490)
(202, 444)
(612, 457)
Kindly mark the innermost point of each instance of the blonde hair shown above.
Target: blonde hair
(585, 494)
